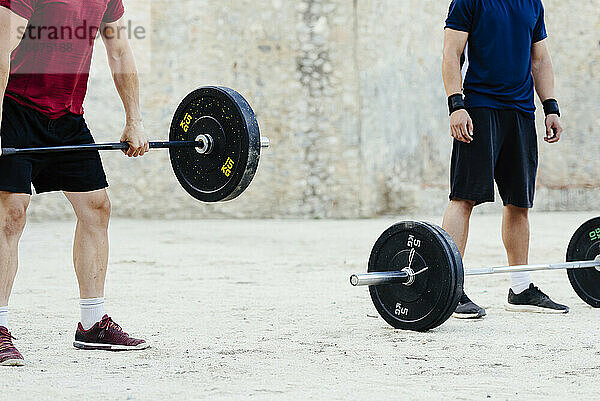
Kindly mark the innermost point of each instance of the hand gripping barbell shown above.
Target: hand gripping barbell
(415, 273)
(214, 144)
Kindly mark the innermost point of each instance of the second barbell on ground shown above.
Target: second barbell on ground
(415, 273)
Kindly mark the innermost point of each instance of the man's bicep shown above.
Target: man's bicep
(12, 28)
(114, 35)
(455, 41)
(539, 50)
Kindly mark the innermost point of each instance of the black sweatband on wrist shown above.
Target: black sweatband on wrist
(456, 102)
(551, 107)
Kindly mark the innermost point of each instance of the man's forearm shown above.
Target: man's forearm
(452, 74)
(543, 76)
(127, 83)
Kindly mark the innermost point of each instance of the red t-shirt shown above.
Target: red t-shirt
(50, 67)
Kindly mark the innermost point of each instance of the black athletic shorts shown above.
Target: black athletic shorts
(504, 149)
(23, 127)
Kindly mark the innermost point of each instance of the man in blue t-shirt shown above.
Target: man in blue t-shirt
(493, 127)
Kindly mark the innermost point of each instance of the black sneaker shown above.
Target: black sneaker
(533, 300)
(467, 309)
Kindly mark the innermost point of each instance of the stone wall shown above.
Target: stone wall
(350, 93)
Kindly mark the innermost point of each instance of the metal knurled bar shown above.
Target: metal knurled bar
(392, 277)
(264, 143)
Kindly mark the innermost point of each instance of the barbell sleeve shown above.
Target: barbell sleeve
(378, 278)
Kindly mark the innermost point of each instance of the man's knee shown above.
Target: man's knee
(95, 212)
(13, 216)
(466, 206)
(515, 211)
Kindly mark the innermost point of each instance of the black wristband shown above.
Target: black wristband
(456, 102)
(551, 107)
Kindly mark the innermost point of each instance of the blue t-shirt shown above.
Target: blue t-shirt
(501, 34)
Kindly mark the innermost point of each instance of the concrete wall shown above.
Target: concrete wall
(350, 93)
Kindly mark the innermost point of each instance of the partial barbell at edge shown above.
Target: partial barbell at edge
(214, 144)
(415, 273)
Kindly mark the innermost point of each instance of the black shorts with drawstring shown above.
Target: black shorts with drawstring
(23, 127)
(505, 150)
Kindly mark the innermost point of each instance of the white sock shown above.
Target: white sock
(4, 316)
(519, 282)
(92, 311)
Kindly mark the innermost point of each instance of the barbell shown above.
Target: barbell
(415, 273)
(214, 144)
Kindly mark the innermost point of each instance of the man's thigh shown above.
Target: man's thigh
(18, 130)
(516, 168)
(15, 176)
(472, 167)
(70, 172)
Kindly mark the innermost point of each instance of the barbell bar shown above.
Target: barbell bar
(214, 144)
(98, 146)
(202, 145)
(404, 276)
(415, 273)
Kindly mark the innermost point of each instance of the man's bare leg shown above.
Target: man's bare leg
(90, 247)
(456, 223)
(523, 297)
(90, 257)
(515, 235)
(13, 210)
(90, 252)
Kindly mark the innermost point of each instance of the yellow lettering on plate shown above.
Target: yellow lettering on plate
(185, 123)
(227, 167)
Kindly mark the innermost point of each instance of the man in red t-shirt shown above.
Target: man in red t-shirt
(45, 53)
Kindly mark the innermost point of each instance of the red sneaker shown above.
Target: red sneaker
(106, 335)
(9, 355)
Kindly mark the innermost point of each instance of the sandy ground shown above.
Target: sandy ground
(263, 310)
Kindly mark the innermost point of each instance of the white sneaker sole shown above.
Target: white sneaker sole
(109, 347)
(533, 309)
(467, 316)
(13, 362)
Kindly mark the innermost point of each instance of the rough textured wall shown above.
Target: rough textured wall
(350, 93)
(404, 119)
